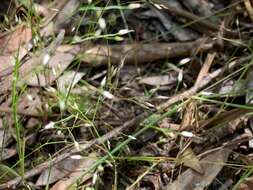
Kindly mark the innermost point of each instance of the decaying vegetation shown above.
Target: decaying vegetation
(111, 94)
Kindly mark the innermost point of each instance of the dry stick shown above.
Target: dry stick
(38, 169)
(205, 68)
(142, 53)
(205, 81)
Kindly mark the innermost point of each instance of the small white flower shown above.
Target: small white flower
(184, 61)
(94, 178)
(89, 1)
(251, 143)
(180, 76)
(98, 32)
(124, 31)
(50, 125)
(29, 97)
(187, 134)
(62, 104)
(46, 59)
(54, 72)
(77, 146)
(108, 95)
(158, 6)
(103, 82)
(51, 89)
(60, 133)
(87, 125)
(102, 23)
(134, 5)
(131, 137)
(205, 93)
(76, 157)
(149, 105)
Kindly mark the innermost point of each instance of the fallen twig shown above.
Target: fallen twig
(141, 53)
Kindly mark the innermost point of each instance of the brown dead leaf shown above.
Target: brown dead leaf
(70, 167)
(34, 73)
(190, 115)
(14, 40)
(189, 159)
(12, 43)
(212, 164)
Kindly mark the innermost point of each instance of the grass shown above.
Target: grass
(18, 133)
(83, 109)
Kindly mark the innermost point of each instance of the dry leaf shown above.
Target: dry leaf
(68, 79)
(192, 180)
(68, 167)
(13, 43)
(65, 184)
(189, 159)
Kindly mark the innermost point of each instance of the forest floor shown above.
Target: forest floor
(131, 95)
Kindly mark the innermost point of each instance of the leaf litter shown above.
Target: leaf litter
(124, 95)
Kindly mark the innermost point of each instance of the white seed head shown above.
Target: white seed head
(77, 146)
(108, 95)
(29, 97)
(131, 137)
(251, 143)
(62, 104)
(46, 59)
(103, 82)
(54, 72)
(124, 31)
(134, 5)
(187, 134)
(180, 76)
(50, 125)
(102, 23)
(184, 61)
(98, 32)
(76, 157)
